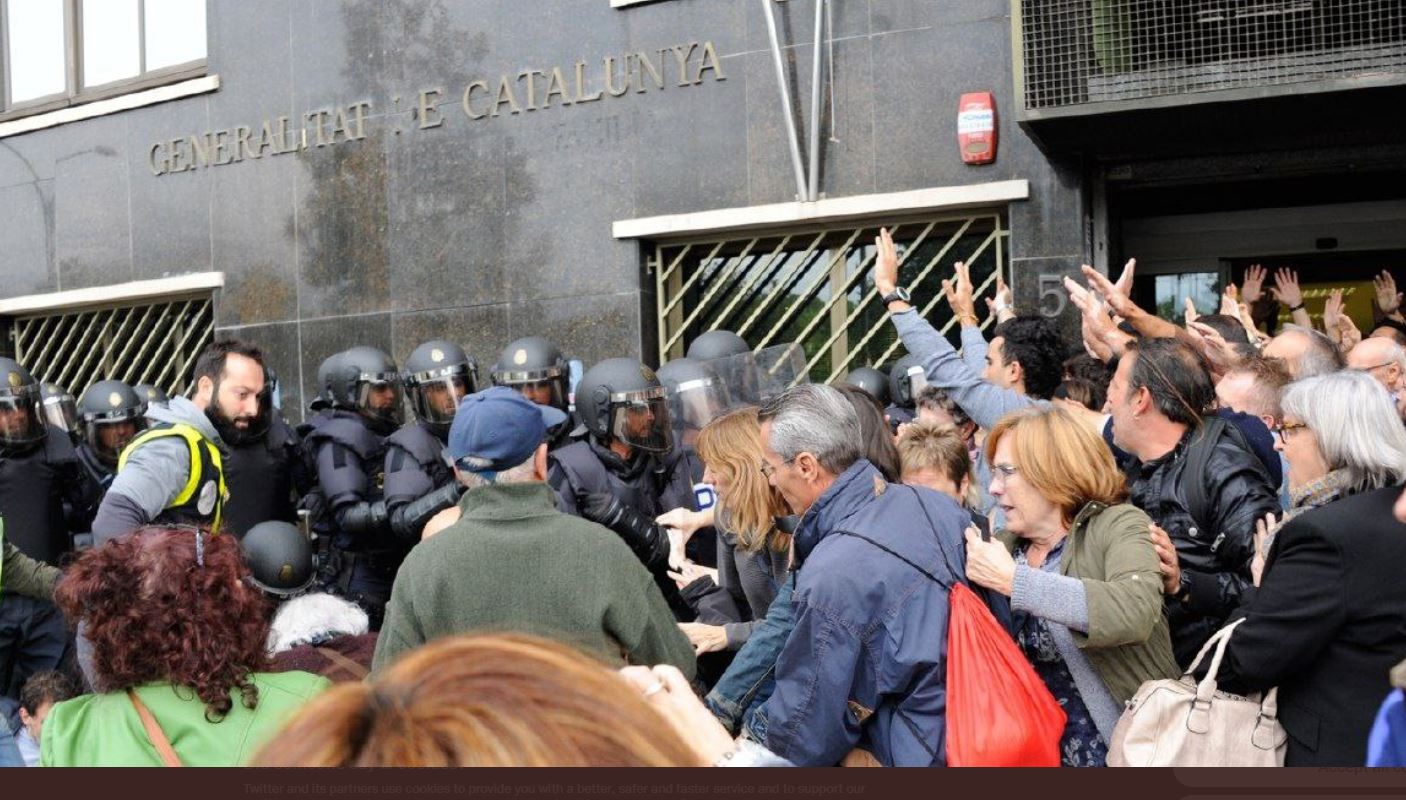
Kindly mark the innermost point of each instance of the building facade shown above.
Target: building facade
(619, 176)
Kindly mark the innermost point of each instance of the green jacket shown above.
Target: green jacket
(514, 563)
(103, 730)
(1109, 549)
(21, 574)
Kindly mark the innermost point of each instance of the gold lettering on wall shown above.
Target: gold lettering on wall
(581, 81)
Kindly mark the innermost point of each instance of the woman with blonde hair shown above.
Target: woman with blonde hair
(483, 701)
(1080, 569)
(752, 552)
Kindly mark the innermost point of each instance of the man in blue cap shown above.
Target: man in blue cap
(512, 562)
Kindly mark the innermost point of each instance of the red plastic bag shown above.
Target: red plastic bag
(999, 713)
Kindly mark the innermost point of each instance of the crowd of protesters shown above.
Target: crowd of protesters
(706, 567)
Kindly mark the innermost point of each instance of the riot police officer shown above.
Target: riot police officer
(419, 482)
(265, 470)
(906, 379)
(872, 381)
(350, 448)
(536, 369)
(110, 416)
(45, 494)
(696, 395)
(60, 409)
(615, 476)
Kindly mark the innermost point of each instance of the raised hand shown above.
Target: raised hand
(1286, 288)
(1002, 305)
(1252, 288)
(1229, 301)
(1332, 312)
(1190, 315)
(1117, 301)
(1125, 279)
(1218, 351)
(1388, 299)
(885, 262)
(959, 293)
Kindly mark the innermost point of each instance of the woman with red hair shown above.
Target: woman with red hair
(178, 656)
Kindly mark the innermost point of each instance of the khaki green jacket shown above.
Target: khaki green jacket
(21, 574)
(1109, 549)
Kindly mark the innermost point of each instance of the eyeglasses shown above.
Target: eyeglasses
(1006, 470)
(768, 470)
(1375, 366)
(1283, 429)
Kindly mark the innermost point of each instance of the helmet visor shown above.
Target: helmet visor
(641, 419)
(61, 413)
(379, 396)
(436, 400)
(20, 422)
(693, 404)
(109, 437)
(545, 387)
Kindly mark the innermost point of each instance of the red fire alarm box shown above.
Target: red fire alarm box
(976, 127)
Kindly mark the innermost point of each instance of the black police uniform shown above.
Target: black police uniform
(349, 454)
(45, 495)
(265, 477)
(623, 494)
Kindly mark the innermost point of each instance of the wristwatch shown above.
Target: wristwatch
(899, 293)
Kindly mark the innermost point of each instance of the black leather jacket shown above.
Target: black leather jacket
(1215, 553)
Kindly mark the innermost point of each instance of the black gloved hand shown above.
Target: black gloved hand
(648, 541)
(408, 521)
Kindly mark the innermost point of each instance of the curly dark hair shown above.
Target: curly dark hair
(153, 614)
(1034, 343)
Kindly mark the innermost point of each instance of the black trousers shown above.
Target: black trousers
(33, 638)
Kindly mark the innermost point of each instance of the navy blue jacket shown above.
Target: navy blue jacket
(866, 665)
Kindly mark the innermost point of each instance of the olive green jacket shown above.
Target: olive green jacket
(21, 574)
(1110, 550)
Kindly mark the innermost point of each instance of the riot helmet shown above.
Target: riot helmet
(717, 344)
(872, 381)
(111, 415)
(438, 374)
(60, 409)
(906, 379)
(323, 396)
(536, 369)
(151, 396)
(280, 559)
(621, 399)
(366, 381)
(20, 423)
(696, 395)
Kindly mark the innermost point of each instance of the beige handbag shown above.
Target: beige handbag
(1180, 723)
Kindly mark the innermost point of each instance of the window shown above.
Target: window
(815, 286)
(156, 342)
(58, 53)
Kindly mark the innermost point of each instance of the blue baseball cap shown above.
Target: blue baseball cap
(498, 429)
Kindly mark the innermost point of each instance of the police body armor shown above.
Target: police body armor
(262, 478)
(586, 469)
(419, 483)
(201, 500)
(44, 494)
(351, 470)
(97, 471)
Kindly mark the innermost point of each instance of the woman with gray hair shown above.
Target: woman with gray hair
(1328, 621)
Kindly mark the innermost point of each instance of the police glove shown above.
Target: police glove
(364, 518)
(648, 541)
(409, 520)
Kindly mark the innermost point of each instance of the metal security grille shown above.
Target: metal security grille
(154, 343)
(815, 286)
(1077, 52)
